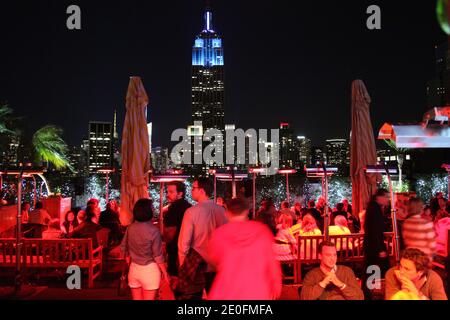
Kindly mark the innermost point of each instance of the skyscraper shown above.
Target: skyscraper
(208, 77)
(304, 149)
(10, 156)
(438, 89)
(317, 156)
(289, 154)
(100, 145)
(338, 154)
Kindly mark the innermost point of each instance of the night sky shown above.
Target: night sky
(284, 61)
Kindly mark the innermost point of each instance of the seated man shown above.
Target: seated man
(414, 278)
(330, 281)
(87, 229)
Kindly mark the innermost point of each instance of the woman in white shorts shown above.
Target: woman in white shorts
(142, 243)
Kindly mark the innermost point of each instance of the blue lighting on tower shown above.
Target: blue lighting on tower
(208, 51)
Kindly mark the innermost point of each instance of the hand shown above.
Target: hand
(334, 279)
(409, 286)
(326, 280)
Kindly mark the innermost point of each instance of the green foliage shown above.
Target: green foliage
(50, 147)
(5, 118)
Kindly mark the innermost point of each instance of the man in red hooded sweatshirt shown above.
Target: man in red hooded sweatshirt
(242, 253)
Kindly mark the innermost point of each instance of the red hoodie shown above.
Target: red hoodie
(243, 255)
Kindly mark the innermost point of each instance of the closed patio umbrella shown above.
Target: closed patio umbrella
(135, 150)
(363, 149)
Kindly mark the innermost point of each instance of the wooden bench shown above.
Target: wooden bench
(61, 253)
(351, 250)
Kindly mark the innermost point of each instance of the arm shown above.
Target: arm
(185, 238)
(392, 286)
(158, 254)
(274, 269)
(312, 289)
(437, 291)
(352, 290)
(124, 245)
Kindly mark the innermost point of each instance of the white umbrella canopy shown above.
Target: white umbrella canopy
(363, 149)
(135, 150)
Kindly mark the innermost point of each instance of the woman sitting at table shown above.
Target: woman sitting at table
(70, 222)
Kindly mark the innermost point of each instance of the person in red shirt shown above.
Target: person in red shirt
(241, 251)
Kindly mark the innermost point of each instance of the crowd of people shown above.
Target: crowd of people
(77, 224)
(220, 250)
(217, 251)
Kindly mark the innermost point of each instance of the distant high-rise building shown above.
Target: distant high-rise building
(10, 156)
(338, 154)
(304, 148)
(318, 155)
(289, 152)
(208, 77)
(100, 145)
(438, 89)
(160, 160)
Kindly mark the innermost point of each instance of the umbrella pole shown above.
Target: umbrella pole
(107, 188)
(161, 195)
(18, 278)
(254, 196)
(288, 196)
(233, 184)
(215, 188)
(326, 215)
(394, 219)
(34, 191)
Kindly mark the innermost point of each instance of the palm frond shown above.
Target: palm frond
(50, 147)
(5, 117)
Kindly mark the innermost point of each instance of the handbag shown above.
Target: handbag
(123, 289)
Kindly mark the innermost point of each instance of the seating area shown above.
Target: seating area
(56, 254)
(351, 252)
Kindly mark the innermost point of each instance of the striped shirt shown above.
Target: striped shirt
(419, 233)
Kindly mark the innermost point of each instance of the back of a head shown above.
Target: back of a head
(415, 207)
(340, 221)
(90, 212)
(311, 204)
(309, 223)
(380, 193)
(39, 205)
(93, 201)
(286, 220)
(143, 210)
(340, 207)
(285, 205)
(237, 207)
(206, 185)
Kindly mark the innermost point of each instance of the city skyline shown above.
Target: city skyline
(276, 67)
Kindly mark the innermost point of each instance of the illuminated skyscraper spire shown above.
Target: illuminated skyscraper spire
(208, 17)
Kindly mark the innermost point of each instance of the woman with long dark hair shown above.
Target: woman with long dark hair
(142, 243)
(70, 222)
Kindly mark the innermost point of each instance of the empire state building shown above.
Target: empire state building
(208, 78)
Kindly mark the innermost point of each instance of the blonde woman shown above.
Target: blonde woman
(309, 228)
